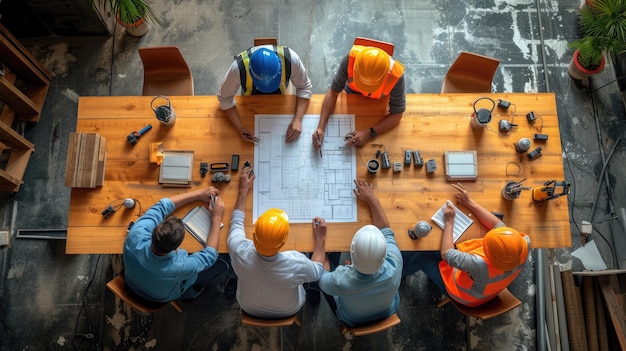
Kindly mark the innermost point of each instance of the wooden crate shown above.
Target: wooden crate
(86, 157)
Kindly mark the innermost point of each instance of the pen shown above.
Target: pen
(319, 142)
(251, 137)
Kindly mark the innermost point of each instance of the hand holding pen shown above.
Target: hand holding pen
(216, 207)
(319, 227)
(248, 136)
(251, 138)
(319, 142)
(318, 138)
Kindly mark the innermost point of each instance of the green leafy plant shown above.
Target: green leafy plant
(605, 18)
(603, 28)
(129, 11)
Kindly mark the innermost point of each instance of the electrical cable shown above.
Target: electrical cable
(604, 166)
(609, 83)
(83, 307)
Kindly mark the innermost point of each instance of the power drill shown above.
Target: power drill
(549, 190)
(133, 136)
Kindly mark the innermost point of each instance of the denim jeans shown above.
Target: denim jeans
(210, 275)
(425, 261)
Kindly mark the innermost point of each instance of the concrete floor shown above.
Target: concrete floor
(53, 301)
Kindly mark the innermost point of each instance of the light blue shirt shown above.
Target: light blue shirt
(365, 298)
(160, 278)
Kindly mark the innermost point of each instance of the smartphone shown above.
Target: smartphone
(234, 163)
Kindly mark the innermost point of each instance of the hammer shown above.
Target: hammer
(133, 136)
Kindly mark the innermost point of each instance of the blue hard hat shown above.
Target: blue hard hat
(266, 70)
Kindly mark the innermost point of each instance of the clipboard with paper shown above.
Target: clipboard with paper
(461, 221)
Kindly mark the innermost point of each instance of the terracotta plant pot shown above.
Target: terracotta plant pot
(577, 71)
(137, 29)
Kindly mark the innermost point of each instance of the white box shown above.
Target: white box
(460, 165)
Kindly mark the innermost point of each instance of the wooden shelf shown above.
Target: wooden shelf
(23, 101)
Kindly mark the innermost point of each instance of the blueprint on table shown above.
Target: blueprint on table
(293, 177)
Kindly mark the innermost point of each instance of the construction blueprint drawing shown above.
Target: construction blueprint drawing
(293, 177)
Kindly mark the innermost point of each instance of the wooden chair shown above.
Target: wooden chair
(165, 72)
(249, 320)
(119, 288)
(376, 327)
(502, 303)
(386, 47)
(470, 73)
(265, 41)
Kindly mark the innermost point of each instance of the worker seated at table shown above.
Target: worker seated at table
(373, 73)
(270, 281)
(265, 69)
(366, 290)
(476, 270)
(155, 267)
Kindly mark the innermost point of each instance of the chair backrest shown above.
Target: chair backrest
(247, 319)
(165, 72)
(502, 303)
(265, 41)
(379, 326)
(118, 286)
(470, 73)
(385, 46)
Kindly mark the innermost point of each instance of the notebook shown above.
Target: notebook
(197, 222)
(461, 221)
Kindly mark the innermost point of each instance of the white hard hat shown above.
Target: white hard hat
(368, 249)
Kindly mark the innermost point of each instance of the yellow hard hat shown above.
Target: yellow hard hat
(505, 248)
(270, 231)
(371, 66)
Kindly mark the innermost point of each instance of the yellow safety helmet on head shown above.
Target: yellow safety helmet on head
(371, 66)
(505, 248)
(270, 231)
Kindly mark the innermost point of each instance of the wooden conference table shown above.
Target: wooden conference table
(432, 123)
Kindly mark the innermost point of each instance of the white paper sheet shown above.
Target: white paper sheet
(590, 257)
(293, 177)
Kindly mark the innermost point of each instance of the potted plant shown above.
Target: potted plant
(604, 32)
(133, 15)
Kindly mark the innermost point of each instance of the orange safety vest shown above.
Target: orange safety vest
(396, 69)
(247, 85)
(474, 292)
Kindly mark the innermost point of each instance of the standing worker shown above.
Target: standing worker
(476, 270)
(373, 73)
(265, 69)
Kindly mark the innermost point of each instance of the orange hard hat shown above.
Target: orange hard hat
(270, 231)
(371, 66)
(505, 248)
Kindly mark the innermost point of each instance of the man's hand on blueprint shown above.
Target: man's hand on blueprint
(293, 130)
(363, 191)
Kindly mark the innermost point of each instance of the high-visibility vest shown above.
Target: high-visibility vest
(490, 281)
(396, 69)
(247, 85)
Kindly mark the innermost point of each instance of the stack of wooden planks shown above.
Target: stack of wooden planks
(86, 158)
(596, 309)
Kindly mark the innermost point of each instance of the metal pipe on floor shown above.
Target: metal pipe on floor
(541, 313)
